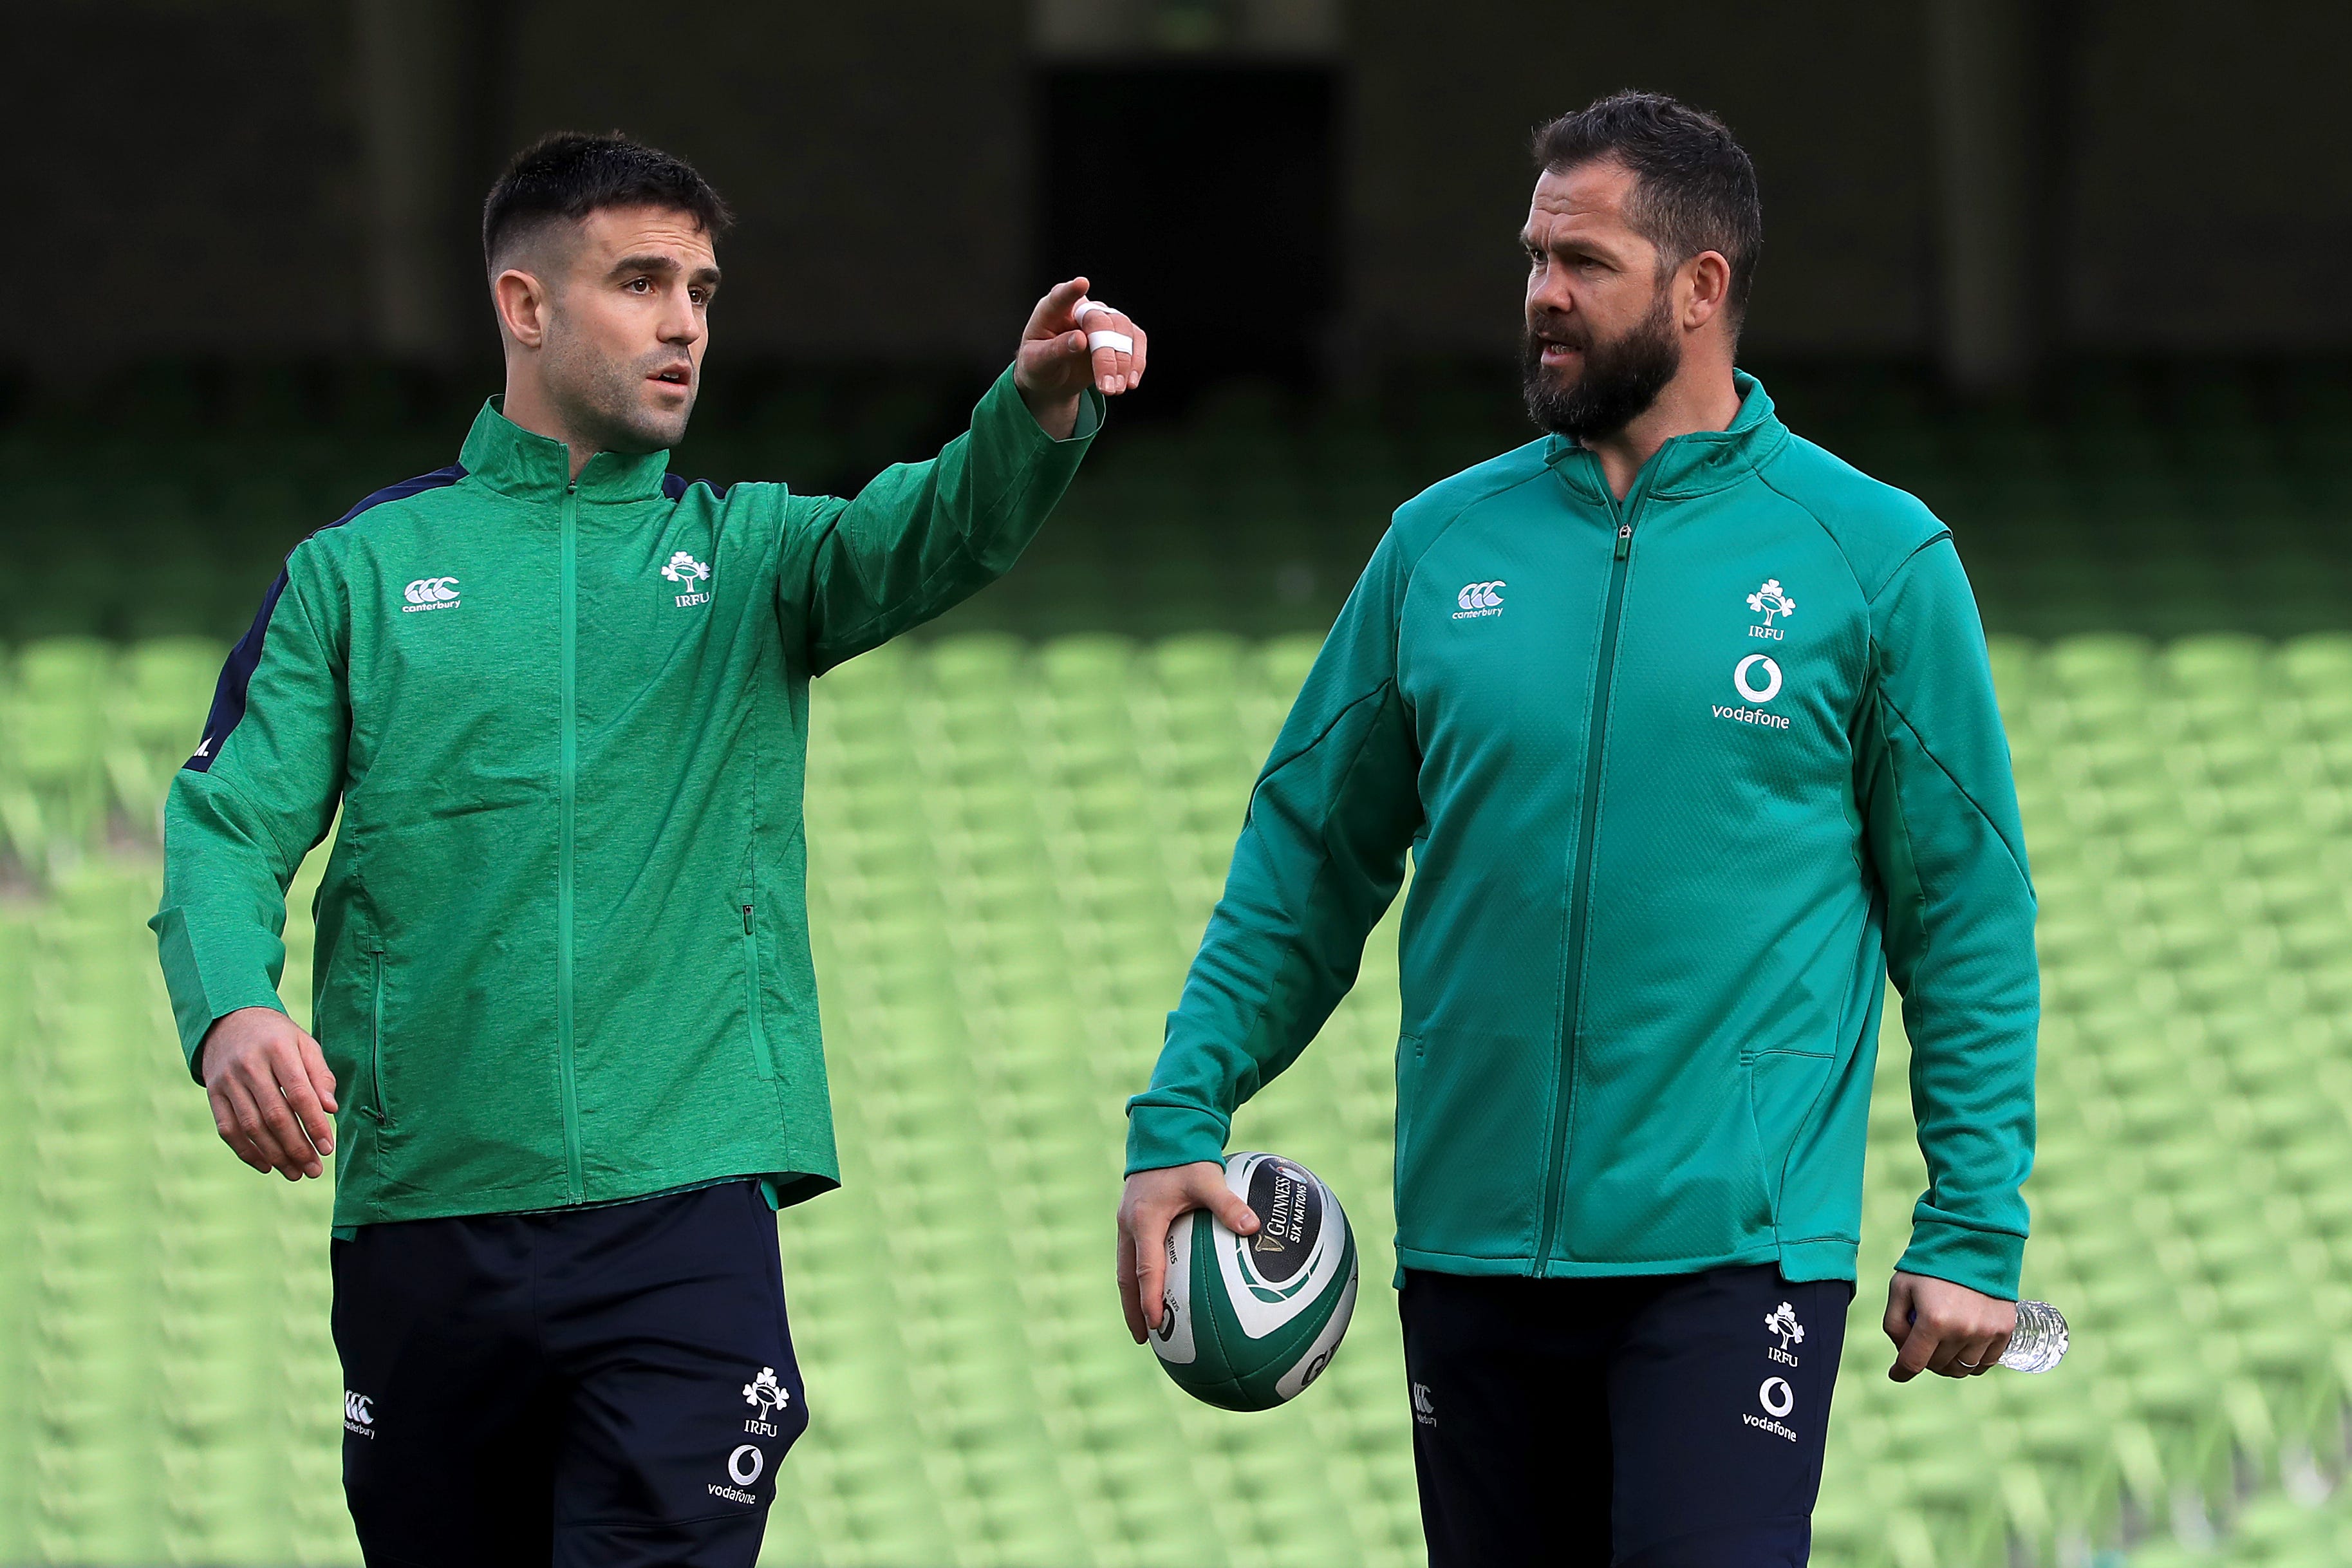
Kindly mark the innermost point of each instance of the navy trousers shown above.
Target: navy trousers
(590, 1388)
(1655, 1422)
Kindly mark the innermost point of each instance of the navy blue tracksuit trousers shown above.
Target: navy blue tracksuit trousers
(607, 1387)
(1662, 1420)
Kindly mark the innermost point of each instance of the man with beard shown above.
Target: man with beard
(565, 1023)
(1689, 731)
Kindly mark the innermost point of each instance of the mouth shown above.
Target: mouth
(678, 376)
(1556, 353)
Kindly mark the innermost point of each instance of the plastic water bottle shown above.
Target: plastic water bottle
(2039, 1341)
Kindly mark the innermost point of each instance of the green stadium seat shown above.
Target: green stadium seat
(1014, 846)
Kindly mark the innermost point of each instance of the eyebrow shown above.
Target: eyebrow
(666, 266)
(1581, 246)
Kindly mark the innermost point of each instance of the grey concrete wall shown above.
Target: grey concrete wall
(182, 179)
(876, 153)
(206, 178)
(1828, 98)
(2211, 193)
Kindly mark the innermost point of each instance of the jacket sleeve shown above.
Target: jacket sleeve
(1942, 824)
(1322, 853)
(922, 536)
(259, 792)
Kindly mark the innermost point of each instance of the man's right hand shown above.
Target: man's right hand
(272, 1096)
(1153, 1201)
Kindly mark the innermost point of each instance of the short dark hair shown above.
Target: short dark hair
(1694, 189)
(570, 174)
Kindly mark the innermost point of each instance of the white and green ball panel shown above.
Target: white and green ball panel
(1249, 1322)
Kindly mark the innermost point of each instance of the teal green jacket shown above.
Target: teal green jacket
(562, 951)
(1685, 777)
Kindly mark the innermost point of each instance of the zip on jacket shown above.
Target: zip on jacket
(1684, 779)
(562, 939)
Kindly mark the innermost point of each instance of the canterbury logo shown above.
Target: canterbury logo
(431, 594)
(1478, 599)
(359, 1408)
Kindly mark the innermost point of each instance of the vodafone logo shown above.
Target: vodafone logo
(1765, 682)
(431, 594)
(1758, 677)
(1777, 1399)
(744, 1467)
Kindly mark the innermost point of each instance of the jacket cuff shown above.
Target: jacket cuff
(1158, 1136)
(195, 1050)
(1091, 409)
(198, 1003)
(1984, 1260)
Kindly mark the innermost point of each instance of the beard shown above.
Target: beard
(603, 399)
(1622, 376)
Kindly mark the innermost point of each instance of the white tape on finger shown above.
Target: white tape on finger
(1118, 341)
(1086, 308)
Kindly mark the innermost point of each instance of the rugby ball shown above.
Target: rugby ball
(1248, 1321)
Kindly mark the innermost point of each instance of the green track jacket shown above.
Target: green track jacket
(1684, 778)
(562, 948)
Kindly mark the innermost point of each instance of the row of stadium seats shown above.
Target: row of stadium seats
(2165, 500)
(92, 738)
(1013, 847)
(164, 1360)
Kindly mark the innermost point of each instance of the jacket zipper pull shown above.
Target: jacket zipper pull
(1624, 540)
(747, 920)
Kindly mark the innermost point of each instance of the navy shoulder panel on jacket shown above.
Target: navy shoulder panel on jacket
(237, 675)
(675, 487)
(1876, 526)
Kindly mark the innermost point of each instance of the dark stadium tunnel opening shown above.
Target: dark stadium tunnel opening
(1202, 199)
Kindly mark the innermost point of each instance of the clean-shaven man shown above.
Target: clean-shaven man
(1689, 731)
(566, 1027)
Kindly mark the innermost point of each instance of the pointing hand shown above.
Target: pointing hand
(1061, 355)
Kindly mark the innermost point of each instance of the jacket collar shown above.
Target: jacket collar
(1692, 464)
(515, 462)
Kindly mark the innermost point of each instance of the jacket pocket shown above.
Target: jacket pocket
(1470, 1129)
(378, 1105)
(754, 1005)
(1408, 1085)
(1781, 1089)
(1408, 1080)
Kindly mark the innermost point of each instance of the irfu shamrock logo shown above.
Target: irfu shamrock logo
(1769, 601)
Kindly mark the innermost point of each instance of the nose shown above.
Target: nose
(681, 324)
(1548, 292)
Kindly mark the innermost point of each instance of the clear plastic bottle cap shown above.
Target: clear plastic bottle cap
(2039, 1340)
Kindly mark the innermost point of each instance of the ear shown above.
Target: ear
(1708, 279)
(521, 301)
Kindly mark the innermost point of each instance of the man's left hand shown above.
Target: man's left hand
(1946, 1329)
(1056, 363)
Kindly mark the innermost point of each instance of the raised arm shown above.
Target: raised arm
(1321, 854)
(924, 536)
(1944, 835)
(260, 792)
